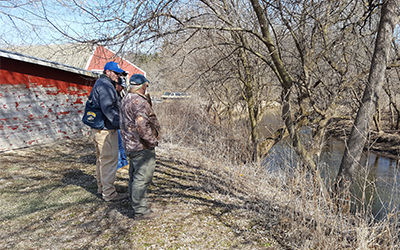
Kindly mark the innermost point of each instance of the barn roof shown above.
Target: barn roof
(47, 63)
(77, 55)
(73, 54)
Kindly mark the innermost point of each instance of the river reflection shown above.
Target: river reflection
(376, 188)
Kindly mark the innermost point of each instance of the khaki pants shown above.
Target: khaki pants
(106, 143)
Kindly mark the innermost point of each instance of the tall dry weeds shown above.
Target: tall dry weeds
(188, 124)
(208, 198)
(285, 201)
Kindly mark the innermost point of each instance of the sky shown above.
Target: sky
(32, 22)
(43, 21)
(23, 24)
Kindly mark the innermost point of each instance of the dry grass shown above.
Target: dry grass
(48, 201)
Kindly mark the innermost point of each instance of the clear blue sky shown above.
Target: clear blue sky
(24, 24)
(38, 21)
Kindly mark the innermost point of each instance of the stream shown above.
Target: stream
(378, 183)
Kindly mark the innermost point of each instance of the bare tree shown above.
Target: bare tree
(359, 133)
(316, 51)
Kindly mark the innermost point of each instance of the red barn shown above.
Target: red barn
(102, 55)
(42, 98)
(82, 56)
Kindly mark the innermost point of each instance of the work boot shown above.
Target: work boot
(119, 196)
(148, 216)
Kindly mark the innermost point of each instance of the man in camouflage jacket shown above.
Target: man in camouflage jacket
(140, 133)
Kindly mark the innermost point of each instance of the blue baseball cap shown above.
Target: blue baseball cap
(138, 79)
(114, 67)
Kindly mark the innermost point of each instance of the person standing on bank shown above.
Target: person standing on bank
(106, 139)
(120, 86)
(140, 133)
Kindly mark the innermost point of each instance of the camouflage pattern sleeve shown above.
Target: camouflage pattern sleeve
(140, 128)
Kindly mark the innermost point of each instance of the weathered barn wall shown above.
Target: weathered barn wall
(40, 103)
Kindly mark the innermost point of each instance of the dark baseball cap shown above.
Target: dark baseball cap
(121, 82)
(138, 79)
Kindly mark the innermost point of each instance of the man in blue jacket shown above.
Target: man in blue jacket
(106, 139)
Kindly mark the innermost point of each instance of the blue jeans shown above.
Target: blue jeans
(122, 161)
(141, 170)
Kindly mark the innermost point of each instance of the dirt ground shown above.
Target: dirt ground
(48, 201)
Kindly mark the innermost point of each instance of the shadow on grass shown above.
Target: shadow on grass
(79, 178)
(89, 183)
(194, 185)
(39, 200)
(173, 181)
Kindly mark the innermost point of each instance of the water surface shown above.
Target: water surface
(376, 188)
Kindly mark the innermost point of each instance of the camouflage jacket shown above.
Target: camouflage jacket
(138, 122)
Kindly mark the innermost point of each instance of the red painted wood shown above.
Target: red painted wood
(39, 104)
(102, 55)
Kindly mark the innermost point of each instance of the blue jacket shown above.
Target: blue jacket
(105, 95)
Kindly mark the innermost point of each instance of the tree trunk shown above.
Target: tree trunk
(358, 136)
(377, 119)
(287, 83)
(252, 108)
(393, 107)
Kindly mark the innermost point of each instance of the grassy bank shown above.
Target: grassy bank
(48, 201)
(207, 197)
